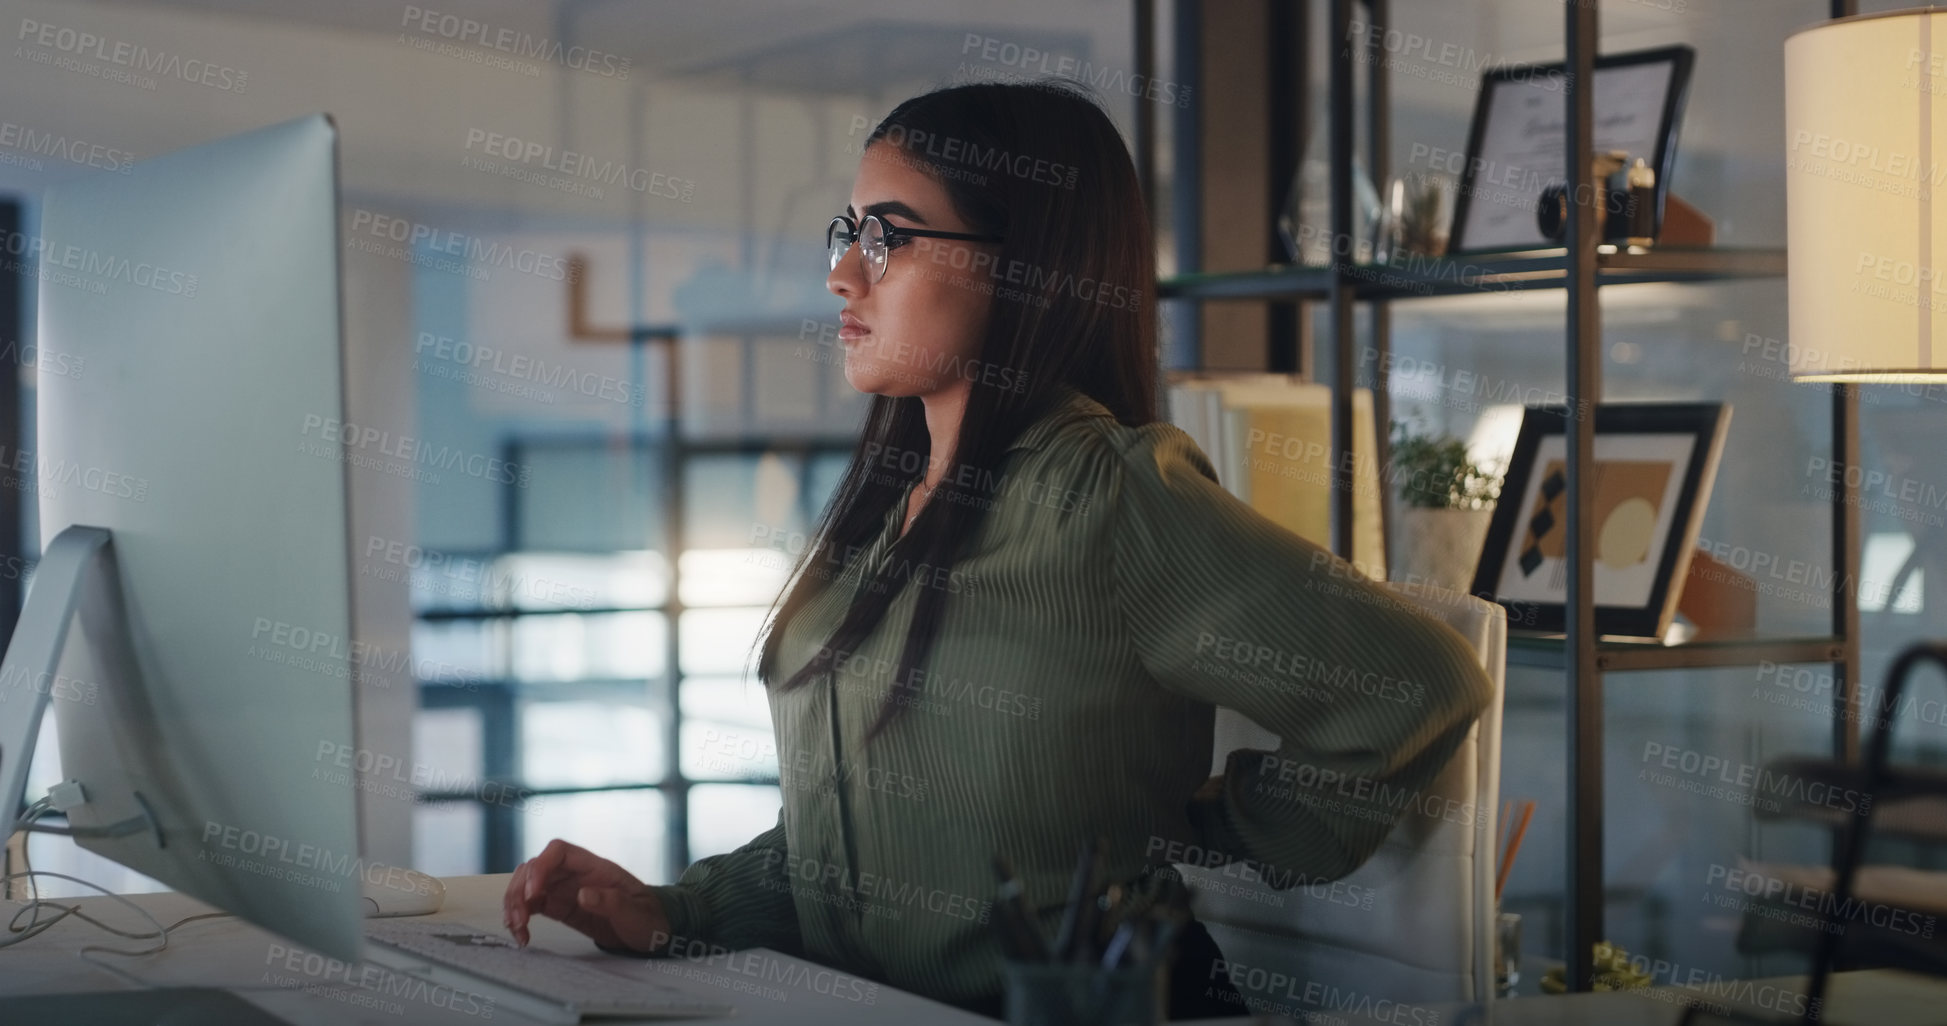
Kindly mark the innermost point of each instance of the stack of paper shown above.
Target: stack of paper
(1269, 437)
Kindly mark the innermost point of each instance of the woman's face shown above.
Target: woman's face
(915, 332)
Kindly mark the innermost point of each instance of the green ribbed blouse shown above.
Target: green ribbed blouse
(1115, 595)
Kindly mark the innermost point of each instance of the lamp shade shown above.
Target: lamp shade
(1866, 198)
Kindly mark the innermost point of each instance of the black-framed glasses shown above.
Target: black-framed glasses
(876, 239)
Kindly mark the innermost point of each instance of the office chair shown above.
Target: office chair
(1429, 933)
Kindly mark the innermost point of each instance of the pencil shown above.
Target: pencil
(1504, 829)
(1514, 848)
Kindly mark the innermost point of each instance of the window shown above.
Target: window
(550, 670)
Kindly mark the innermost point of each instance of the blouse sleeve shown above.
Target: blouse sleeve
(739, 899)
(1369, 696)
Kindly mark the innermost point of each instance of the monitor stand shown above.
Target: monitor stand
(79, 565)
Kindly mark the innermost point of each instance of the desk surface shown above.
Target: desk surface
(234, 955)
(302, 990)
(1878, 997)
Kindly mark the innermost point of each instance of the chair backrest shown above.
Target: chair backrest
(1414, 924)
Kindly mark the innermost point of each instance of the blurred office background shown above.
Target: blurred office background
(579, 587)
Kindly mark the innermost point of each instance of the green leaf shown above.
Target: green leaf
(1433, 471)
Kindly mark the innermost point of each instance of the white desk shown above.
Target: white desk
(272, 975)
(264, 970)
(1879, 997)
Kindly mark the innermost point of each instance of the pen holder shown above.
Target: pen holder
(1063, 994)
(1507, 953)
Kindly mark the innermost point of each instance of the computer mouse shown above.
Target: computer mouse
(397, 891)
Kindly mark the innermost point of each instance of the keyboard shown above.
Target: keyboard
(551, 987)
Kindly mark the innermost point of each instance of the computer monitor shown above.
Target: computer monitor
(190, 621)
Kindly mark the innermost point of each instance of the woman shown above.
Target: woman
(1025, 599)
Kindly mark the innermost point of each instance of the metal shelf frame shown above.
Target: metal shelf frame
(1419, 277)
(1580, 270)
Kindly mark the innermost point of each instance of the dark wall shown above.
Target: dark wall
(13, 332)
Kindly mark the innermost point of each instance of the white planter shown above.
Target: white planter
(1438, 546)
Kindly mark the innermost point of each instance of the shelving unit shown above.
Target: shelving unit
(1902, 801)
(1580, 270)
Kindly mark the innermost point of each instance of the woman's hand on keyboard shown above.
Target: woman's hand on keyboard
(590, 894)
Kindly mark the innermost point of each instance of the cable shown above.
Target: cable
(161, 933)
(35, 903)
(34, 812)
(38, 926)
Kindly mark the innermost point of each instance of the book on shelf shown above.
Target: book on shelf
(1269, 437)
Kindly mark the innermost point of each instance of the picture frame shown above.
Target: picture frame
(1654, 466)
(1516, 141)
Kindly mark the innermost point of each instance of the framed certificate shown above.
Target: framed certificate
(1516, 146)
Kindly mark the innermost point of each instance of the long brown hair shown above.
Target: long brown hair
(1040, 163)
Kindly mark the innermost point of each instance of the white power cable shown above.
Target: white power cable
(36, 925)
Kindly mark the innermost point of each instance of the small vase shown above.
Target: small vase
(1438, 547)
(1305, 223)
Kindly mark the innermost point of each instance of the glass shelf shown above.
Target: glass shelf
(1482, 273)
(1529, 648)
(1284, 281)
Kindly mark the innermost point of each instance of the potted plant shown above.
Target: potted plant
(1446, 502)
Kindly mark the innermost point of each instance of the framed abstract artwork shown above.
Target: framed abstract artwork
(1654, 464)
